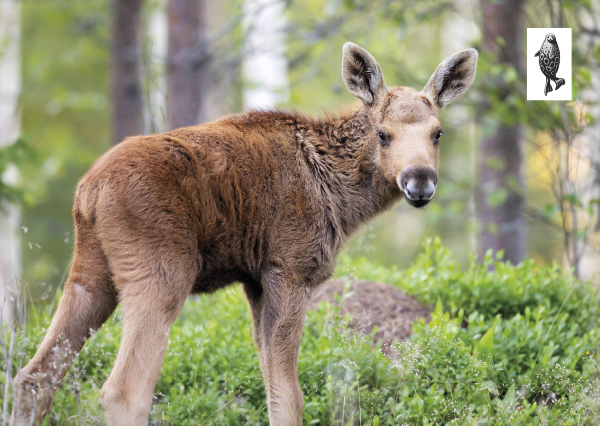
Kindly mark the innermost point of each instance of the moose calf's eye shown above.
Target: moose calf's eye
(438, 135)
(383, 138)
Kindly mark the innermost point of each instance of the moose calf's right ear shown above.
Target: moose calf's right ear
(452, 78)
(362, 75)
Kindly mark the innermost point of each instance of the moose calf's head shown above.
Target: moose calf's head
(406, 121)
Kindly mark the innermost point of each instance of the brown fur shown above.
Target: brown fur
(263, 198)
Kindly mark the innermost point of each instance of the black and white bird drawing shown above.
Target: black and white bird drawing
(549, 55)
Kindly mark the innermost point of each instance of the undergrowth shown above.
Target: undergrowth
(506, 345)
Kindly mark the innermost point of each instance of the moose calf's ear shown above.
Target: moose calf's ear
(452, 78)
(362, 75)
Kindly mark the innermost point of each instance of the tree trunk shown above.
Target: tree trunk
(187, 63)
(500, 197)
(10, 90)
(126, 85)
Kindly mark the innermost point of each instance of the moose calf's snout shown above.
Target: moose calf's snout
(416, 190)
(419, 185)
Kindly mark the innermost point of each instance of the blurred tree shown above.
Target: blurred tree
(500, 198)
(66, 115)
(265, 64)
(569, 135)
(66, 123)
(10, 91)
(154, 59)
(187, 61)
(126, 84)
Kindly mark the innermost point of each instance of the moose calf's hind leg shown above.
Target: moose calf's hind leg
(150, 307)
(86, 303)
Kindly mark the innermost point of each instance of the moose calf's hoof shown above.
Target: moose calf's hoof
(32, 400)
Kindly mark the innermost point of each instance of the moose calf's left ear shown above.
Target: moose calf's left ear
(452, 78)
(362, 75)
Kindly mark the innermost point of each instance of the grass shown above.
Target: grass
(506, 345)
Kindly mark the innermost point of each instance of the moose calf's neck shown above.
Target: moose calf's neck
(282, 183)
(342, 150)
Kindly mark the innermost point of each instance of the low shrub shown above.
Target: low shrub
(507, 344)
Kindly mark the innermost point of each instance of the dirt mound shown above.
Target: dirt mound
(374, 304)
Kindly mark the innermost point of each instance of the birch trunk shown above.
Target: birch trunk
(155, 114)
(265, 64)
(10, 89)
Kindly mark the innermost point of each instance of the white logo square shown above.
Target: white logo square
(549, 64)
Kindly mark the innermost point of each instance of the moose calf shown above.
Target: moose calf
(265, 198)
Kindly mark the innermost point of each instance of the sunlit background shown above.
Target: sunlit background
(59, 111)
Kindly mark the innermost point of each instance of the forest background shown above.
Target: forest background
(518, 181)
(518, 176)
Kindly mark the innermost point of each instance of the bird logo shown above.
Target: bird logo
(549, 55)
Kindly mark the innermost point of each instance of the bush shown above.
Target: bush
(506, 345)
(490, 288)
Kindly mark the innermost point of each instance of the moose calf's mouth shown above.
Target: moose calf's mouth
(417, 203)
(414, 201)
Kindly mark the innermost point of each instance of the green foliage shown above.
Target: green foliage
(506, 345)
(491, 288)
(12, 156)
(66, 106)
(65, 113)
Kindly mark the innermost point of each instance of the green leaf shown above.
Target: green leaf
(594, 201)
(497, 197)
(486, 344)
(511, 75)
(572, 199)
(489, 386)
(510, 394)
(550, 210)
(500, 254)
(585, 74)
(439, 309)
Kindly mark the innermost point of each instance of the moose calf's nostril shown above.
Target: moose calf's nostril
(428, 191)
(419, 190)
(412, 190)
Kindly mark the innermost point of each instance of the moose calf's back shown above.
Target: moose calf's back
(249, 193)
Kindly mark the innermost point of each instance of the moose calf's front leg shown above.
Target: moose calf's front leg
(282, 321)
